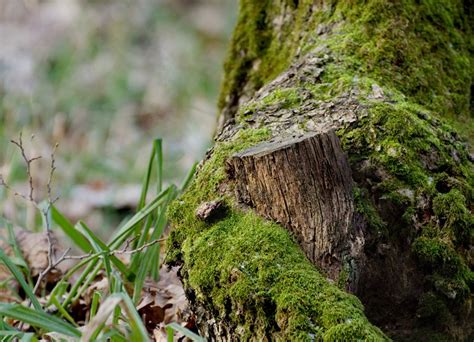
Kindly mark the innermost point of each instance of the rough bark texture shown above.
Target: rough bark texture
(305, 184)
(394, 81)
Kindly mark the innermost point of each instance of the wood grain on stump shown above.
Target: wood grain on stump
(305, 184)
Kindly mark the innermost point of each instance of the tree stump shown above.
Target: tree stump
(305, 184)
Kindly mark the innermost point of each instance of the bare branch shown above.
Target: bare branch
(112, 253)
(28, 162)
(46, 211)
(51, 175)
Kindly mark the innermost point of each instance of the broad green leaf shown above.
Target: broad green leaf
(38, 319)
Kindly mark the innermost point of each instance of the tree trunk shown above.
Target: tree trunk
(304, 184)
(334, 141)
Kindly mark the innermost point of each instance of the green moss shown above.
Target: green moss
(352, 330)
(283, 98)
(454, 216)
(423, 162)
(431, 307)
(420, 48)
(243, 264)
(437, 253)
(204, 188)
(259, 49)
(365, 207)
(251, 273)
(286, 98)
(419, 53)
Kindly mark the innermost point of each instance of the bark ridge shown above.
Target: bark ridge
(305, 184)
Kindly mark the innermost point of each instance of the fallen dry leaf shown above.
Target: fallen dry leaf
(34, 247)
(164, 302)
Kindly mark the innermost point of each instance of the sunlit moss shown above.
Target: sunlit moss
(250, 271)
(420, 54)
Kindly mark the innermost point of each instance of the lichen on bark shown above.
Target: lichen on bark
(395, 80)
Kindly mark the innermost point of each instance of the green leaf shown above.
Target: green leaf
(19, 277)
(158, 147)
(186, 332)
(77, 238)
(189, 177)
(127, 228)
(100, 246)
(38, 319)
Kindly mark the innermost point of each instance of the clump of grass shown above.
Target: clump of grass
(141, 234)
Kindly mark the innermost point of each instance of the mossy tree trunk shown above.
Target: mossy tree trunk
(394, 80)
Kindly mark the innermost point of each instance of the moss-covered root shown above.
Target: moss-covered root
(250, 272)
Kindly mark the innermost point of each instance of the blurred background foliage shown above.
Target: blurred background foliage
(103, 78)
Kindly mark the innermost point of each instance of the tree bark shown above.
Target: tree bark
(305, 184)
(333, 124)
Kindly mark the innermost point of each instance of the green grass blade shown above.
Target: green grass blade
(28, 337)
(138, 257)
(89, 279)
(189, 177)
(139, 332)
(92, 330)
(58, 291)
(146, 180)
(113, 335)
(19, 277)
(128, 227)
(95, 304)
(38, 319)
(100, 246)
(14, 335)
(141, 275)
(77, 238)
(185, 332)
(158, 147)
(150, 261)
(54, 300)
(108, 307)
(10, 333)
(77, 285)
(14, 244)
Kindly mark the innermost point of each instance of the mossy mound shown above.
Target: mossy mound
(406, 66)
(250, 273)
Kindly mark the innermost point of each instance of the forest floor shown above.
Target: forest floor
(102, 79)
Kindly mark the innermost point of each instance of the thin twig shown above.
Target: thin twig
(28, 162)
(51, 175)
(139, 249)
(110, 253)
(51, 266)
(46, 211)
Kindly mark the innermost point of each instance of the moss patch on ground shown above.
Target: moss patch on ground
(250, 272)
